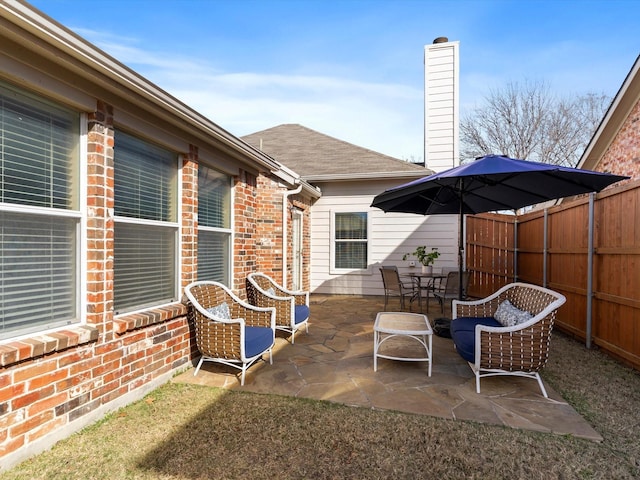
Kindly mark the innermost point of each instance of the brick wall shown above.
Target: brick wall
(623, 155)
(244, 249)
(73, 376)
(65, 380)
(269, 227)
(100, 221)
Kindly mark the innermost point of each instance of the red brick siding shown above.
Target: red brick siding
(49, 381)
(100, 203)
(244, 248)
(623, 155)
(269, 228)
(189, 217)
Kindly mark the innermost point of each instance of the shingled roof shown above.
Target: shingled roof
(316, 156)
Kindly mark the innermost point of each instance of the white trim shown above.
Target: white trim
(144, 221)
(178, 242)
(82, 254)
(297, 242)
(332, 242)
(349, 177)
(232, 243)
(285, 202)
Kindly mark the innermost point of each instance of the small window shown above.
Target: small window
(214, 225)
(39, 213)
(351, 242)
(146, 227)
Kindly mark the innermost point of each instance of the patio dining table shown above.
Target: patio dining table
(426, 282)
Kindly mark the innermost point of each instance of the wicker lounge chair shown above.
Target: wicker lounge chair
(491, 348)
(228, 330)
(292, 307)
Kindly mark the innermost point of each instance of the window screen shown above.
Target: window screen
(214, 225)
(351, 243)
(39, 145)
(146, 229)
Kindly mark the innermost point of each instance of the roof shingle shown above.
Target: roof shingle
(311, 154)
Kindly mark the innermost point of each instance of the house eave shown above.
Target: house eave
(614, 118)
(350, 177)
(71, 52)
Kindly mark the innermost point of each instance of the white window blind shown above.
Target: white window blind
(213, 256)
(214, 225)
(144, 266)
(39, 217)
(351, 243)
(146, 229)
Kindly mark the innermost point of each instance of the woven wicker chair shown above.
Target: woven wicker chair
(493, 349)
(292, 308)
(237, 341)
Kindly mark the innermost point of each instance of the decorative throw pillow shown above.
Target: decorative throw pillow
(271, 291)
(220, 311)
(510, 316)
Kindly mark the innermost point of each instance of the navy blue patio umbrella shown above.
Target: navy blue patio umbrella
(490, 183)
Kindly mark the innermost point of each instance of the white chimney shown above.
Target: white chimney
(441, 104)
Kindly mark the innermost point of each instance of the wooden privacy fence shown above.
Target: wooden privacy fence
(552, 247)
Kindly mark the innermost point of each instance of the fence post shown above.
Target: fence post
(590, 270)
(545, 246)
(515, 249)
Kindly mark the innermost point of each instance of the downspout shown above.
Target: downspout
(590, 271)
(285, 196)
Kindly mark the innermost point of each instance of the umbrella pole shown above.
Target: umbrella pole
(460, 242)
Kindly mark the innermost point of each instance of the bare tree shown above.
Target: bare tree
(529, 122)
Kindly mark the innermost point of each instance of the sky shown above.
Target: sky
(353, 69)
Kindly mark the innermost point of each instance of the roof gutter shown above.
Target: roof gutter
(365, 176)
(97, 63)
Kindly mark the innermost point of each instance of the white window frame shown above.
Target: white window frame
(227, 231)
(78, 213)
(175, 226)
(332, 243)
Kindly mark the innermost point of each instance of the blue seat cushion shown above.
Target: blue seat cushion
(301, 313)
(257, 340)
(463, 333)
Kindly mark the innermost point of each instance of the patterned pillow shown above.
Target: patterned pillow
(220, 311)
(510, 316)
(271, 291)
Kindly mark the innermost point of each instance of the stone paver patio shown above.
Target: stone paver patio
(334, 362)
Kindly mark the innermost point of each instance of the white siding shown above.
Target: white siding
(391, 236)
(441, 86)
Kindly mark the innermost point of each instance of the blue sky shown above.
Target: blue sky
(353, 69)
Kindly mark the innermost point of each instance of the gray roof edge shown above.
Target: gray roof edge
(585, 160)
(365, 176)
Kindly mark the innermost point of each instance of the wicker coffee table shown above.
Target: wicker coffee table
(396, 324)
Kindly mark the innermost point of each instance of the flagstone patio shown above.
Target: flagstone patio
(334, 362)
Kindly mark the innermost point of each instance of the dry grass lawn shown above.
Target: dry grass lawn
(193, 432)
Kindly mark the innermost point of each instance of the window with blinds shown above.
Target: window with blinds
(146, 226)
(214, 225)
(39, 213)
(350, 240)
